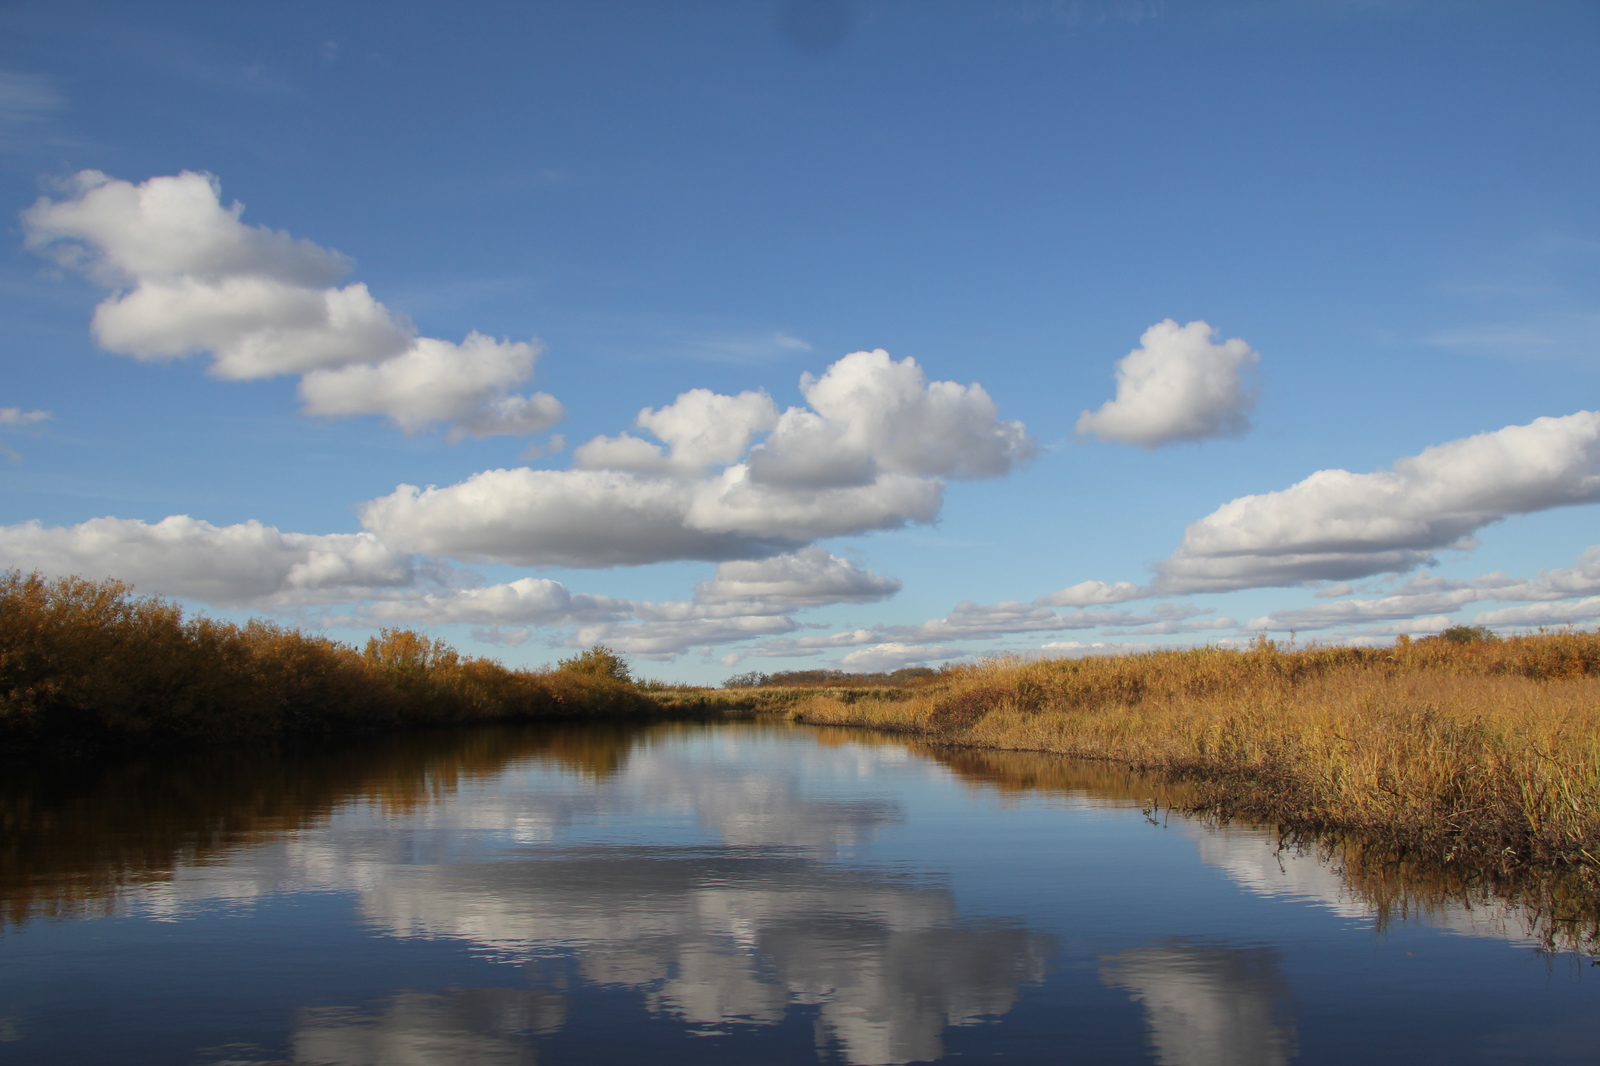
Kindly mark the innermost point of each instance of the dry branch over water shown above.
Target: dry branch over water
(1485, 751)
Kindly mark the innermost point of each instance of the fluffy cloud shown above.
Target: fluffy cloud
(803, 646)
(973, 621)
(433, 381)
(1091, 593)
(668, 638)
(869, 456)
(870, 415)
(249, 563)
(1178, 385)
(744, 600)
(1354, 612)
(893, 656)
(528, 601)
(810, 577)
(189, 277)
(1541, 614)
(1434, 596)
(599, 518)
(256, 565)
(701, 429)
(1336, 526)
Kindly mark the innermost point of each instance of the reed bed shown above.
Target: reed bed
(1484, 753)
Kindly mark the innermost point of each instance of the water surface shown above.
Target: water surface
(721, 894)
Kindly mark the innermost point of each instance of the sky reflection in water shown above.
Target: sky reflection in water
(729, 894)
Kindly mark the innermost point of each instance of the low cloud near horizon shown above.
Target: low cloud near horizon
(1339, 526)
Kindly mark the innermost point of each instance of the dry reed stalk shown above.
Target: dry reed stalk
(1488, 753)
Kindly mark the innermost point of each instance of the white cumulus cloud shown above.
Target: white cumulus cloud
(1180, 384)
(811, 577)
(463, 385)
(894, 656)
(701, 428)
(189, 277)
(1091, 593)
(877, 444)
(872, 415)
(245, 564)
(1541, 614)
(745, 599)
(1427, 597)
(1336, 525)
(528, 601)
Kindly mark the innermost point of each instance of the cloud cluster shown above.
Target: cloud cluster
(188, 277)
(256, 565)
(810, 577)
(745, 599)
(700, 429)
(248, 563)
(1091, 593)
(1562, 597)
(1179, 385)
(885, 647)
(869, 453)
(752, 598)
(1336, 526)
(528, 601)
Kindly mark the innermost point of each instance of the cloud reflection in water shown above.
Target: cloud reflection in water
(1207, 1005)
(730, 925)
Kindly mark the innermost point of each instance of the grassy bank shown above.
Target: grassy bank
(85, 665)
(1481, 752)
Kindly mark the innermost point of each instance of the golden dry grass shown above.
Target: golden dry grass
(1486, 752)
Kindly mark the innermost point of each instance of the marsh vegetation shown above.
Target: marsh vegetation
(1473, 756)
(86, 665)
(1473, 760)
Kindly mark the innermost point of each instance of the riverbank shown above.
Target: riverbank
(1480, 752)
(87, 666)
(1471, 751)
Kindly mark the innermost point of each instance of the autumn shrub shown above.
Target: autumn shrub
(82, 662)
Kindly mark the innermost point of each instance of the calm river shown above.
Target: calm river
(741, 894)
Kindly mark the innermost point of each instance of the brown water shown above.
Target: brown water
(723, 894)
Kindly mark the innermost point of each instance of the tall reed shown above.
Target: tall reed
(1486, 752)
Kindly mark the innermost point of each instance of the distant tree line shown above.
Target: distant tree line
(909, 677)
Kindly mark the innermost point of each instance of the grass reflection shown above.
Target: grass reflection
(74, 838)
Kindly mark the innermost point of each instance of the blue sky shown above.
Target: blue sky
(1381, 216)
